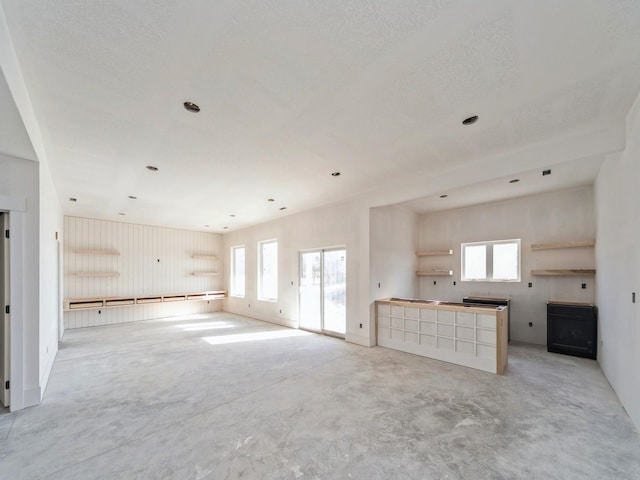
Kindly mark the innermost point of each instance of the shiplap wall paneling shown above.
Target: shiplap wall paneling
(150, 261)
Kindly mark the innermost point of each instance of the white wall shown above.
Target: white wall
(50, 301)
(393, 244)
(151, 261)
(618, 267)
(337, 225)
(19, 184)
(552, 217)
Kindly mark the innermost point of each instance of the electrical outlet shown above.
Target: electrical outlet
(378, 284)
(633, 297)
(530, 284)
(360, 325)
(531, 324)
(584, 285)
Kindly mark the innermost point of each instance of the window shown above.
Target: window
(494, 261)
(237, 271)
(268, 270)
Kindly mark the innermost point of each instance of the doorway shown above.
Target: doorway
(323, 291)
(4, 316)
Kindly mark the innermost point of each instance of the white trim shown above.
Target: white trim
(14, 204)
(16, 322)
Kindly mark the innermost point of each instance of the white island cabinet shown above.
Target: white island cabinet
(470, 335)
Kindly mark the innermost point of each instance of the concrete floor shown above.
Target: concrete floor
(211, 397)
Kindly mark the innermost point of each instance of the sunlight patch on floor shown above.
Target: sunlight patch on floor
(255, 336)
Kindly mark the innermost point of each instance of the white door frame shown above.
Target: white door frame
(16, 207)
(321, 251)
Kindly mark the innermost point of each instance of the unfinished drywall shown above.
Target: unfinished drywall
(51, 221)
(337, 225)
(393, 242)
(142, 260)
(551, 217)
(618, 264)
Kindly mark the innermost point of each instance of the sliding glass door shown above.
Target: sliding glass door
(323, 290)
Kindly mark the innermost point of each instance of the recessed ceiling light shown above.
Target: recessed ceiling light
(225, 228)
(72, 199)
(546, 172)
(152, 168)
(444, 196)
(207, 226)
(133, 197)
(515, 180)
(121, 213)
(470, 120)
(335, 174)
(270, 200)
(283, 208)
(191, 107)
(233, 215)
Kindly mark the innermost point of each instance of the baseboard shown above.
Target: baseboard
(32, 397)
(359, 340)
(44, 380)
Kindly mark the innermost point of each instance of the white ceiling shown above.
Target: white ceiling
(14, 139)
(291, 91)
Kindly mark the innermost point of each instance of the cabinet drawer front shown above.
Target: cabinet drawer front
(410, 312)
(486, 321)
(383, 320)
(397, 311)
(445, 316)
(384, 308)
(464, 318)
(397, 323)
(445, 330)
(427, 314)
(412, 325)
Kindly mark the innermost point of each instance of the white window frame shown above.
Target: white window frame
(232, 280)
(489, 260)
(261, 295)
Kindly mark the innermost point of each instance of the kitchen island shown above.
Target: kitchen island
(465, 334)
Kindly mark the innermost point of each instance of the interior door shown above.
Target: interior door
(4, 301)
(323, 290)
(310, 291)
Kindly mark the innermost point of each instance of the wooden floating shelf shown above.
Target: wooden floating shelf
(434, 253)
(96, 251)
(204, 274)
(96, 274)
(551, 246)
(435, 273)
(106, 302)
(567, 272)
(205, 257)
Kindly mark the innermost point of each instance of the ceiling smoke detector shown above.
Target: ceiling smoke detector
(470, 120)
(191, 107)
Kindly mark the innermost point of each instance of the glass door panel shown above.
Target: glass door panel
(334, 291)
(310, 291)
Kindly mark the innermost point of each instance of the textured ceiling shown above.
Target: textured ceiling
(293, 90)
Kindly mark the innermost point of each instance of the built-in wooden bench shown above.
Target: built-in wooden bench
(106, 302)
